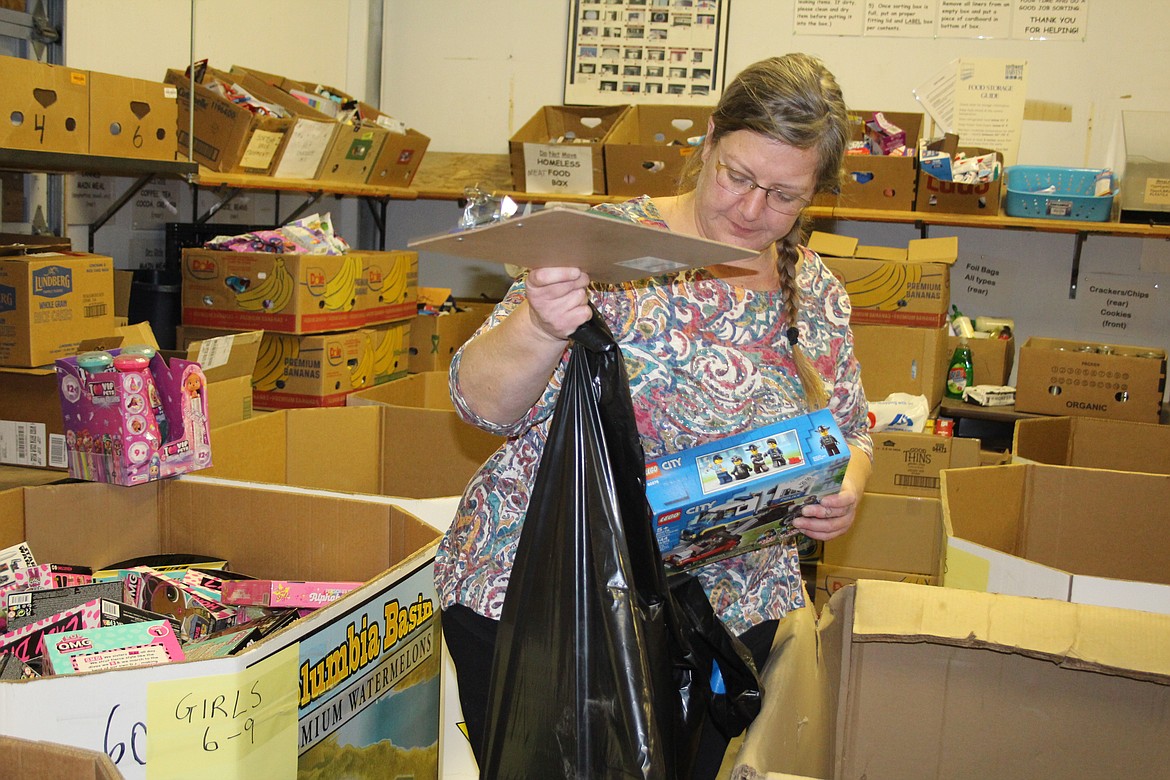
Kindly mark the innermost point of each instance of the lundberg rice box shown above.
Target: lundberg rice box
(740, 493)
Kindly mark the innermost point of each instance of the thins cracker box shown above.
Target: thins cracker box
(741, 493)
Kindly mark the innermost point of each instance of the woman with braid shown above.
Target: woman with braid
(710, 352)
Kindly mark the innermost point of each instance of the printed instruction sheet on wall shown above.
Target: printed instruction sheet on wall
(646, 51)
(1043, 20)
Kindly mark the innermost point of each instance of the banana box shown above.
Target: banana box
(391, 350)
(310, 371)
(741, 493)
(908, 286)
(297, 293)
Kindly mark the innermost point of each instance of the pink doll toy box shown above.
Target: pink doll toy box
(132, 417)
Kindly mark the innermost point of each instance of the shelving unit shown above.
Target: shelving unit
(57, 163)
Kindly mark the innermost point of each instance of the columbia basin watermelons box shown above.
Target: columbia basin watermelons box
(741, 493)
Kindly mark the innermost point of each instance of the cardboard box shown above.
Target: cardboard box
(993, 359)
(830, 579)
(892, 533)
(298, 294)
(132, 117)
(950, 197)
(318, 536)
(435, 339)
(564, 138)
(1093, 443)
(402, 150)
(32, 430)
(908, 464)
(647, 148)
(384, 450)
(1039, 530)
(36, 760)
(1074, 378)
(298, 371)
(908, 681)
(902, 360)
(228, 138)
(740, 493)
(391, 344)
(45, 107)
(50, 302)
(876, 181)
(228, 360)
(889, 285)
(310, 136)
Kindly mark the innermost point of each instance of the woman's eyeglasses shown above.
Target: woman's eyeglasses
(740, 184)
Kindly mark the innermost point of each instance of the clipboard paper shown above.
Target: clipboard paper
(609, 249)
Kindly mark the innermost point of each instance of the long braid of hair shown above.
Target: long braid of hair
(787, 256)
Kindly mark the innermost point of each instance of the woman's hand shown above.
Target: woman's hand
(558, 301)
(834, 514)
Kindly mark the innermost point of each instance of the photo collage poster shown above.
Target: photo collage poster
(646, 52)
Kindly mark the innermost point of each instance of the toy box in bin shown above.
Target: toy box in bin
(128, 422)
(741, 493)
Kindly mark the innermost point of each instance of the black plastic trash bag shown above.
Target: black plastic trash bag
(596, 673)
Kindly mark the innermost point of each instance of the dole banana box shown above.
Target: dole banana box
(297, 294)
(50, 302)
(308, 371)
(908, 286)
(740, 493)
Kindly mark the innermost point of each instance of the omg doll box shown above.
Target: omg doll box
(740, 493)
(129, 422)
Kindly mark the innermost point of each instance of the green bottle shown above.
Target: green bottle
(962, 372)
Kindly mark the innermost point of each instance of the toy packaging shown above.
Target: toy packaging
(281, 593)
(27, 642)
(133, 417)
(12, 560)
(112, 647)
(117, 613)
(741, 493)
(29, 606)
(52, 575)
(198, 616)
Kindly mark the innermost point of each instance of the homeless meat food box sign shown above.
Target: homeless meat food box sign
(132, 417)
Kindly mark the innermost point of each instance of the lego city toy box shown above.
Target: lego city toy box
(738, 494)
(133, 416)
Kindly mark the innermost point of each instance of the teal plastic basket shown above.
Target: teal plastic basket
(1071, 196)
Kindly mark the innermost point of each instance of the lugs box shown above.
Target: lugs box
(297, 293)
(647, 148)
(132, 117)
(378, 710)
(50, 303)
(949, 197)
(1087, 379)
(228, 138)
(879, 181)
(892, 285)
(909, 682)
(563, 145)
(43, 108)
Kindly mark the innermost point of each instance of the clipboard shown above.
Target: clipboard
(608, 248)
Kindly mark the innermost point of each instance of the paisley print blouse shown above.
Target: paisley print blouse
(705, 360)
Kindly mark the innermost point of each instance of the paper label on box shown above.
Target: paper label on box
(261, 149)
(559, 168)
(304, 150)
(1157, 192)
(215, 352)
(22, 443)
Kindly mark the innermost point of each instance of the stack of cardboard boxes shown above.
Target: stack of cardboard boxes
(298, 138)
(332, 323)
